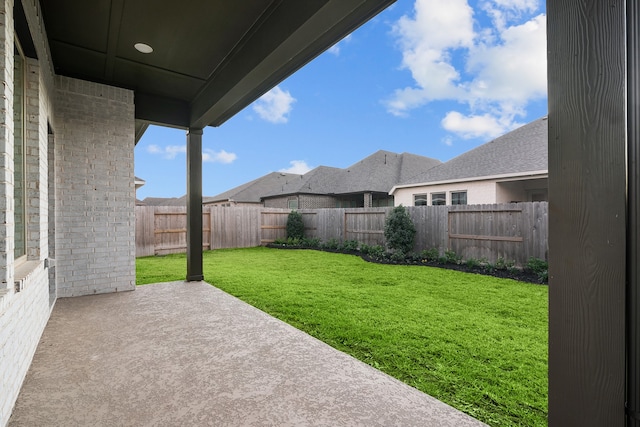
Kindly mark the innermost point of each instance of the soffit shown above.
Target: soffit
(210, 59)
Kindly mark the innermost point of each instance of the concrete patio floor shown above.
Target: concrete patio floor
(188, 354)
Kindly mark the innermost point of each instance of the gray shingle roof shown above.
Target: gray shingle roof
(165, 201)
(378, 172)
(253, 190)
(521, 150)
(321, 180)
(382, 170)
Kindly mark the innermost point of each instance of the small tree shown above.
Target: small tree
(399, 230)
(295, 226)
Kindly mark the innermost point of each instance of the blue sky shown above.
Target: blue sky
(429, 77)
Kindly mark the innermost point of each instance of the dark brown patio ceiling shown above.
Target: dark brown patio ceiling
(210, 58)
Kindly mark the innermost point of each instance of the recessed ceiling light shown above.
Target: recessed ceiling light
(143, 47)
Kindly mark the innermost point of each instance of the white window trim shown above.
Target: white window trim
(438, 193)
(459, 191)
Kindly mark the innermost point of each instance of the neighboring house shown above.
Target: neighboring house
(249, 194)
(364, 184)
(138, 182)
(511, 168)
(165, 201)
(78, 91)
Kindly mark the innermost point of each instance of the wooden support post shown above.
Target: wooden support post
(194, 205)
(633, 215)
(587, 212)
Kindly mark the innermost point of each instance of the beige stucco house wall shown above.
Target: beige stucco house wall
(488, 190)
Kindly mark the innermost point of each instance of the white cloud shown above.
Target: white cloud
(221, 156)
(448, 141)
(154, 149)
(299, 167)
(275, 105)
(503, 11)
(493, 71)
(171, 151)
(473, 126)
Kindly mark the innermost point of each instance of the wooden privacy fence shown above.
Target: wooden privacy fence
(162, 230)
(515, 231)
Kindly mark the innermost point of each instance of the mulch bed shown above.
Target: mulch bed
(522, 275)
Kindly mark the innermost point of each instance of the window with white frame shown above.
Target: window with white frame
(19, 154)
(458, 197)
(419, 200)
(438, 199)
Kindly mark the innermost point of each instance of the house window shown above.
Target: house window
(420, 200)
(458, 197)
(19, 163)
(438, 199)
(383, 203)
(293, 203)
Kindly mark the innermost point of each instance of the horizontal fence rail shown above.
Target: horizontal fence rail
(514, 232)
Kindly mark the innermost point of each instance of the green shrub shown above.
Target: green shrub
(451, 257)
(399, 230)
(294, 241)
(331, 244)
(295, 226)
(398, 256)
(350, 245)
(311, 242)
(280, 242)
(472, 263)
(430, 254)
(413, 258)
(539, 267)
(375, 251)
(502, 264)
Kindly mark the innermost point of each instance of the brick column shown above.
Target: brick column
(368, 200)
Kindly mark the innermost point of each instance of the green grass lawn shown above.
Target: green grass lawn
(475, 342)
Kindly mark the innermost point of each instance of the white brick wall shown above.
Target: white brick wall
(24, 314)
(93, 129)
(95, 214)
(22, 321)
(6, 144)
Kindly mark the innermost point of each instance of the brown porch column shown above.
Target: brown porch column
(633, 200)
(194, 205)
(587, 212)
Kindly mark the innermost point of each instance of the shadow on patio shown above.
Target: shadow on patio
(189, 354)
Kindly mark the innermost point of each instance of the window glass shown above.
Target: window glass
(19, 186)
(382, 203)
(458, 197)
(293, 204)
(420, 200)
(438, 199)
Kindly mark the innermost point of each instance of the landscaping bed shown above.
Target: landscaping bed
(534, 272)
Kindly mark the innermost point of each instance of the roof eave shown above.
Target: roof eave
(503, 177)
(330, 24)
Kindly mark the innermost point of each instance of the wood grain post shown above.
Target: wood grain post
(633, 215)
(587, 212)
